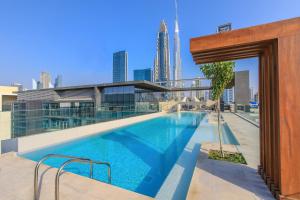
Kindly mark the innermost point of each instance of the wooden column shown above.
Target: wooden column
(289, 114)
(275, 118)
(278, 46)
(262, 166)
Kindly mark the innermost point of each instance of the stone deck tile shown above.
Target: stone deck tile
(16, 183)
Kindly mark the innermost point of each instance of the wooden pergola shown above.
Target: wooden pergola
(277, 45)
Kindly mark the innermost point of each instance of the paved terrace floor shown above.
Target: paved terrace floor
(248, 137)
(16, 183)
(224, 180)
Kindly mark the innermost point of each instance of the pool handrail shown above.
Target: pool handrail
(36, 170)
(80, 161)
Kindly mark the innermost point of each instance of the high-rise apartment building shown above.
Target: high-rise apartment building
(142, 74)
(177, 57)
(162, 57)
(120, 62)
(45, 80)
(228, 95)
(58, 81)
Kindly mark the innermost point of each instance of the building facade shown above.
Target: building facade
(37, 111)
(162, 57)
(142, 74)
(241, 87)
(120, 66)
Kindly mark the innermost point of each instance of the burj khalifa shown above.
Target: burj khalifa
(177, 57)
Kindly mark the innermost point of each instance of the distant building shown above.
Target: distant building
(34, 84)
(120, 62)
(207, 95)
(8, 94)
(78, 105)
(251, 93)
(58, 81)
(45, 80)
(39, 85)
(228, 95)
(241, 87)
(162, 57)
(20, 86)
(142, 74)
(199, 93)
(256, 97)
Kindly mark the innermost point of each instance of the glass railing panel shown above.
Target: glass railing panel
(20, 122)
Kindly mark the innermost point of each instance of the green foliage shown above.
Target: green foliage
(228, 156)
(221, 74)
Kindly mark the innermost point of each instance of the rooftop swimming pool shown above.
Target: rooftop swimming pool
(141, 155)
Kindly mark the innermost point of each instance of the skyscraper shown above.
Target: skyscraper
(162, 57)
(120, 62)
(58, 81)
(142, 74)
(45, 80)
(177, 58)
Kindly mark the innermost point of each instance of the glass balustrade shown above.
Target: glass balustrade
(22, 122)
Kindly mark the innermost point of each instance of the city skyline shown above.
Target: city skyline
(69, 40)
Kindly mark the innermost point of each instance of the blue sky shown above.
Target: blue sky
(77, 38)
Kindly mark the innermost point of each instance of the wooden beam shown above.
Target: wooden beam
(225, 58)
(246, 35)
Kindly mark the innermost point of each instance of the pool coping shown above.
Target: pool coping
(177, 183)
(19, 173)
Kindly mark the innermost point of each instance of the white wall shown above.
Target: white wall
(5, 125)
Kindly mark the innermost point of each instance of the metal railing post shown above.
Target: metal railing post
(72, 159)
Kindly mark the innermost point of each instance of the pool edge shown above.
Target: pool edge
(177, 183)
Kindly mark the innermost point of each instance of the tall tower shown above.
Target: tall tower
(162, 58)
(120, 62)
(177, 58)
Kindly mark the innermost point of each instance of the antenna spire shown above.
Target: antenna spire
(176, 10)
(176, 17)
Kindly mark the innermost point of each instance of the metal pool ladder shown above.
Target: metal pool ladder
(72, 159)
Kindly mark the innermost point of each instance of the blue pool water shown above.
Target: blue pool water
(141, 155)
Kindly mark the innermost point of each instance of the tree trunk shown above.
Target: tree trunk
(219, 128)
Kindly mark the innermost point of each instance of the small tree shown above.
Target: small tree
(221, 74)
